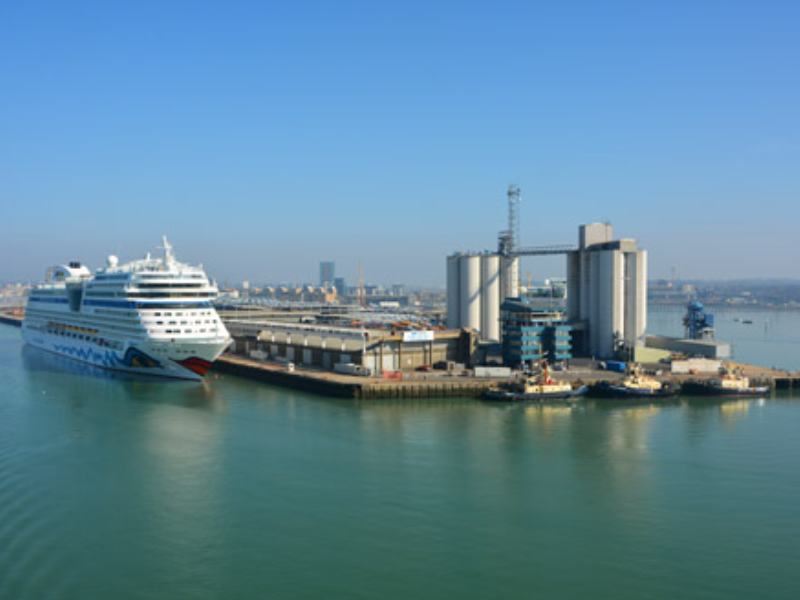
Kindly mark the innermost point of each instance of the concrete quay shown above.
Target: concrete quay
(326, 383)
(435, 384)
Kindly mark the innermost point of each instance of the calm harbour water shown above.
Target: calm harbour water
(123, 488)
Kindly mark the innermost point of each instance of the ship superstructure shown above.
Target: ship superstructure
(151, 316)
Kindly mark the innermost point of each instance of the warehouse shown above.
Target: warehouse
(374, 350)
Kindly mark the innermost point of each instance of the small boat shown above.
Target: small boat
(537, 388)
(731, 383)
(747, 321)
(635, 385)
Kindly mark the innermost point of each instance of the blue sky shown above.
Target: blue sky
(263, 137)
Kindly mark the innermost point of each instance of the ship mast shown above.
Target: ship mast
(169, 258)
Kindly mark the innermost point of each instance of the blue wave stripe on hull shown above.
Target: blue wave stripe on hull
(106, 358)
(133, 357)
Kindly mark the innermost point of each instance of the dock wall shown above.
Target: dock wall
(329, 384)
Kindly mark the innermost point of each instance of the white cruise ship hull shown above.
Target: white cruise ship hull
(185, 360)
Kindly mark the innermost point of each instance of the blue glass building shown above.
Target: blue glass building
(533, 333)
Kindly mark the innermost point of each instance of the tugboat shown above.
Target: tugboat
(537, 388)
(731, 383)
(635, 385)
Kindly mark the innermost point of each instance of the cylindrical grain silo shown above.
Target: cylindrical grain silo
(509, 277)
(490, 297)
(453, 291)
(471, 291)
(574, 285)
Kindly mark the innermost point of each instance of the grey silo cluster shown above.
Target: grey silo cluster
(607, 290)
(477, 284)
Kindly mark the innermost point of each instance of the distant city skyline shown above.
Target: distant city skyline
(263, 139)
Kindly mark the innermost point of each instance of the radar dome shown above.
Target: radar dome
(113, 261)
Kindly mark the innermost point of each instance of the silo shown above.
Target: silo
(490, 297)
(453, 292)
(574, 285)
(509, 277)
(470, 301)
(635, 296)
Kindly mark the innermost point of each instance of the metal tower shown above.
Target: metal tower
(514, 198)
(508, 240)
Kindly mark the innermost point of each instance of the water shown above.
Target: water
(123, 488)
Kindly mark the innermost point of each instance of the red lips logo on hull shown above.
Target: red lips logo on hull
(195, 364)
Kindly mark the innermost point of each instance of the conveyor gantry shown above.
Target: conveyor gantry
(545, 250)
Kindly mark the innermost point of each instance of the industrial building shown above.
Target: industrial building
(669, 346)
(607, 292)
(371, 350)
(532, 333)
(606, 287)
(699, 341)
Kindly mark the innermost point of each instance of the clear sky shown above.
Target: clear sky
(264, 137)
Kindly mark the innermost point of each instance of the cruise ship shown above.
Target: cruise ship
(152, 316)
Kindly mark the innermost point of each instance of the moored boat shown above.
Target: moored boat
(731, 383)
(635, 385)
(537, 388)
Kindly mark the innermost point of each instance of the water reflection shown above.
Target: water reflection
(734, 411)
(547, 419)
(163, 463)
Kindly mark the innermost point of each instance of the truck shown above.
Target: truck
(351, 369)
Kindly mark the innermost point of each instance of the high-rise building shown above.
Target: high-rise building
(607, 292)
(327, 273)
